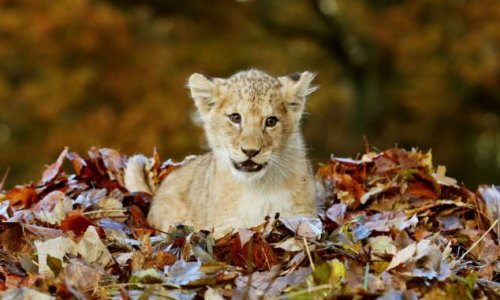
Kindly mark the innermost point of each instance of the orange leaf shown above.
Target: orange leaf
(419, 189)
(22, 196)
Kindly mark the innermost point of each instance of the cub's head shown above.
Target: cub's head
(252, 119)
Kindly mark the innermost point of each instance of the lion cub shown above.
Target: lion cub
(257, 165)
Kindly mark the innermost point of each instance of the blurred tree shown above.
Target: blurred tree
(81, 72)
(419, 72)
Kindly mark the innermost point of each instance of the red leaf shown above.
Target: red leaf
(255, 254)
(76, 222)
(137, 216)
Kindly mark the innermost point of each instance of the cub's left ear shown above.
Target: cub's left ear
(296, 87)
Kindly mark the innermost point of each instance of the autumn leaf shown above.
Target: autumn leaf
(22, 196)
(54, 169)
(75, 222)
(53, 207)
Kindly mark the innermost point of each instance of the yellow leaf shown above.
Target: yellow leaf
(337, 272)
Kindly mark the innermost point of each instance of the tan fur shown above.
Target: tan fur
(210, 192)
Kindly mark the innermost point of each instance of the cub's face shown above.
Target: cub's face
(251, 119)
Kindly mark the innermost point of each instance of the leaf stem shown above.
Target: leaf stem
(104, 211)
(480, 239)
(367, 274)
(308, 253)
(306, 291)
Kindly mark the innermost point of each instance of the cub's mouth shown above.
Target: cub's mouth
(248, 166)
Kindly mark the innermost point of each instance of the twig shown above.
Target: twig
(308, 290)
(267, 260)
(146, 226)
(4, 178)
(367, 145)
(139, 284)
(410, 212)
(308, 253)
(104, 211)
(367, 274)
(480, 239)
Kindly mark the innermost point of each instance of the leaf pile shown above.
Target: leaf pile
(392, 227)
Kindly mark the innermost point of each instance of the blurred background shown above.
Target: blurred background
(416, 73)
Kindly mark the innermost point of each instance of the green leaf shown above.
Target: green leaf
(55, 264)
(146, 276)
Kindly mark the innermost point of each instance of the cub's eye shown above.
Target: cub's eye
(271, 121)
(235, 118)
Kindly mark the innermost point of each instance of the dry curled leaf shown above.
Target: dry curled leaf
(55, 169)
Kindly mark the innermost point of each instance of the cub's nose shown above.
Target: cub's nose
(250, 152)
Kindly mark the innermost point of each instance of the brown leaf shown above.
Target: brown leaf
(82, 276)
(44, 233)
(421, 233)
(11, 236)
(270, 283)
(79, 164)
(138, 261)
(490, 204)
(138, 218)
(164, 258)
(256, 253)
(346, 183)
(52, 171)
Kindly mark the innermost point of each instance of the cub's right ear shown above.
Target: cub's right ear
(203, 92)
